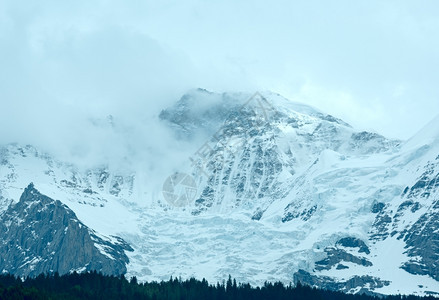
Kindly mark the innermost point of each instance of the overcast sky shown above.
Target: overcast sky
(372, 63)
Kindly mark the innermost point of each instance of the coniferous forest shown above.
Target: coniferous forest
(93, 285)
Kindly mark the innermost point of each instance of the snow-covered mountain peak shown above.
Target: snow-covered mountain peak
(273, 190)
(207, 111)
(262, 147)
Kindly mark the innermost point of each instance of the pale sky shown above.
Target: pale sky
(372, 63)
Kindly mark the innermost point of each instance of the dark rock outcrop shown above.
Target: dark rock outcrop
(349, 285)
(422, 244)
(352, 242)
(335, 256)
(39, 235)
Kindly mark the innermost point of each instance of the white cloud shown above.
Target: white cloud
(371, 63)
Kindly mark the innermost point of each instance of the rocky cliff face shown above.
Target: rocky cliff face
(40, 235)
(415, 220)
(260, 149)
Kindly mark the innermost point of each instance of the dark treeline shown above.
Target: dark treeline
(94, 285)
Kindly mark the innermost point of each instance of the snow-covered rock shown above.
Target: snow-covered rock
(40, 235)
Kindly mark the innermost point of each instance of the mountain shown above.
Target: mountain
(40, 235)
(264, 149)
(274, 190)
